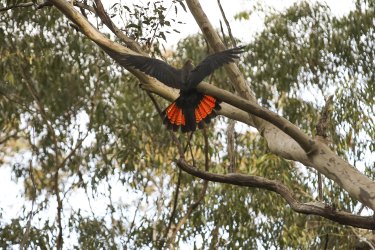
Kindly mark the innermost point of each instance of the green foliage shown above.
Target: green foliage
(305, 55)
(148, 23)
(66, 107)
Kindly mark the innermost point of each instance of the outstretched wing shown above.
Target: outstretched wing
(155, 68)
(211, 63)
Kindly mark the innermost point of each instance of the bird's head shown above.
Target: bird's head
(186, 70)
(188, 65)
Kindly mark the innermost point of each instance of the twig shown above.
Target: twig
(188, 213)
(84, 6)
(73, 151)
(321, 133)
(41, 109)
(134, 218)
(188, 141)
(326, 243)
(175, 200)
(206, 149)
(8, 137)
(191, 149)
(201, 195)
(26, 235)
(59, 240)
(223, 34)
(227, 24)
(231, 123)
(112, 211)
(17, 100)
(363, 239)
(230, 146)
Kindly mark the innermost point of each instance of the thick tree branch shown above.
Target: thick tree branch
(213, 39)
(115, 50)
(283, 124)
(321, 157)
(342, 172)
(239, 82)
(314, 208)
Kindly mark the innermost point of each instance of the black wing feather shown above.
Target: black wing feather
(213, 62)
(162, 71)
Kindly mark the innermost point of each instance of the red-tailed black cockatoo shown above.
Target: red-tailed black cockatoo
(191, 108)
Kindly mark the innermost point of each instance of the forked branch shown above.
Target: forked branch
(314, 208)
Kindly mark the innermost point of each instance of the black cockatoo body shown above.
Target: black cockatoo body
(191, 108)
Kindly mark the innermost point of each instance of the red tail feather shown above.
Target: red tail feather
(175, 116)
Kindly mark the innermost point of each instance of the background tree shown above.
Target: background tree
(74, 124)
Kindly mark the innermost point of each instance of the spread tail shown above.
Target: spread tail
(188, 118)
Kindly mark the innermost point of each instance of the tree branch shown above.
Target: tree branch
(227, 24)
(323, 160)
(59, 240)
(84, 7)
(33, 92)
(25, 237)
(240, 84)
(231, 123)
(321, 133)
(315, 208)
(171, 218)
(8, 137)
(73, 151)
(201, 194)
(20, 5)
(25, 5)
(190, 210)
(307, 144)
(108, 22)
(213, 39)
